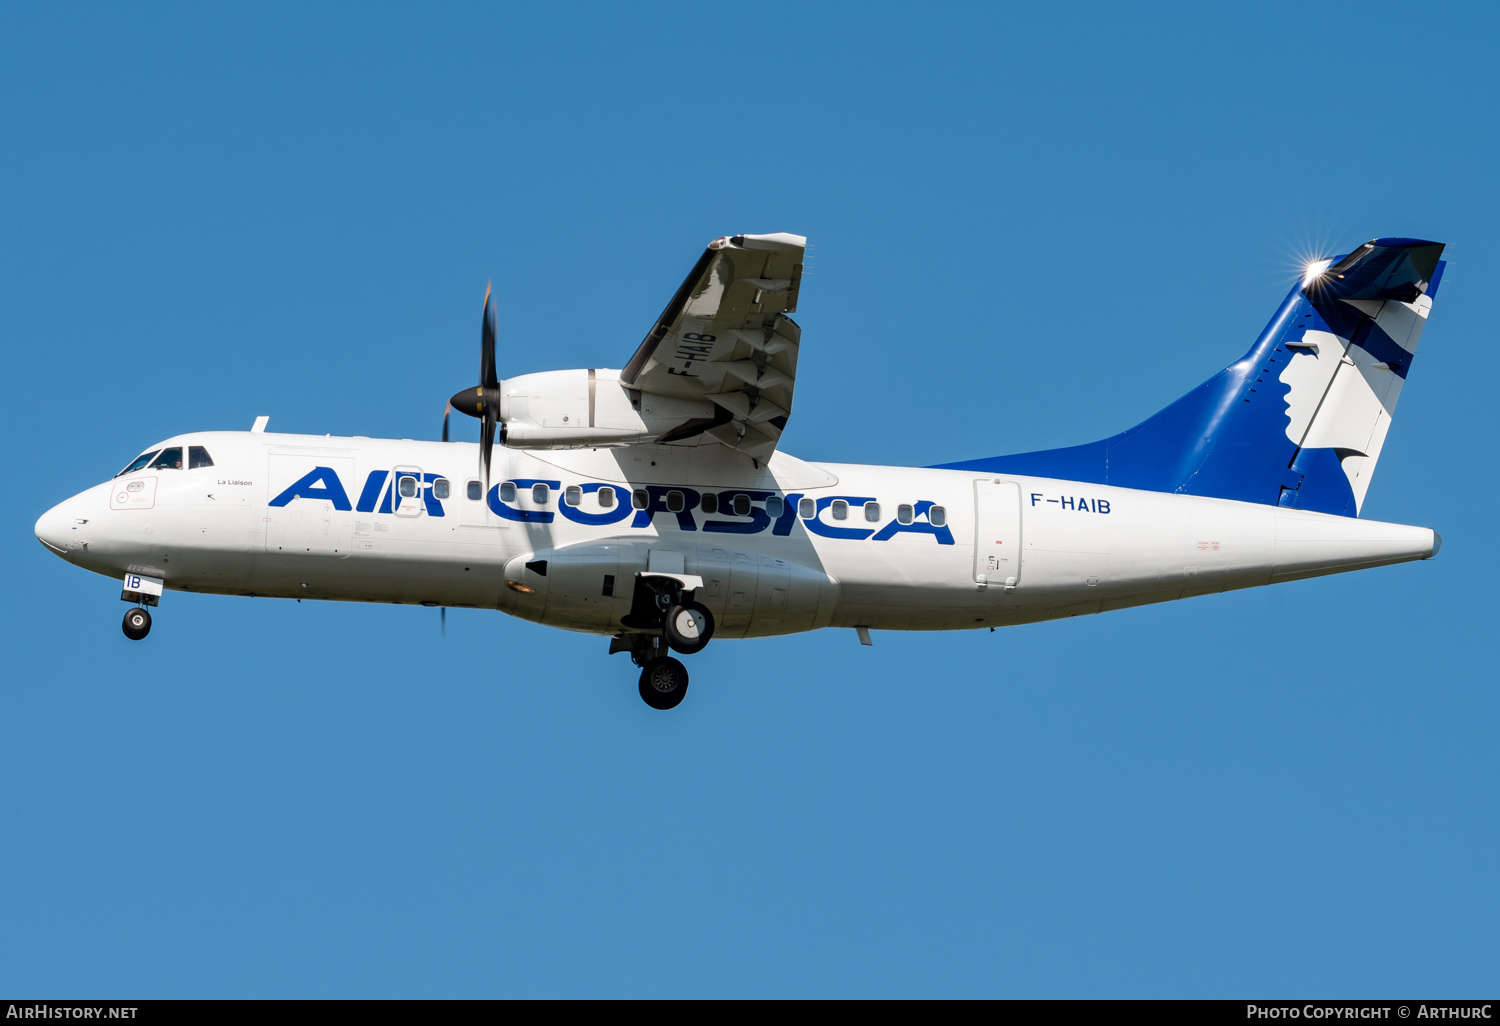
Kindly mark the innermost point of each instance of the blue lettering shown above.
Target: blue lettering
(307, 488)
(434, 504)
(816, 525)
(373, 484)
(656, 502)
(530, 516)
(788, 516)
(759, 518)
(1103, 505)
(917, 526)
(1035, 496)
(619, 512)
(1067, 502)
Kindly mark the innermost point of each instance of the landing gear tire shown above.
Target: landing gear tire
(664, 681)
(137, 624)
(688, 627)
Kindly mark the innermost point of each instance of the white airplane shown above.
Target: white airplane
(651, 505)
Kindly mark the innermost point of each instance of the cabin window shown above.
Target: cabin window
(840, 509)
(507, 491)
(139, 462)
(408, 486)
(775, 506)
(872, 512)
(170, 459)
(573, 495)
(742, 505)
(609, 586)
(710, 502)
(607, 498)
(198, 457)
(540, 493)
(903, 514)
(440, 488)
(807, 509)
(675, 501)
(475, 491)
(639, 499)
(937, 516)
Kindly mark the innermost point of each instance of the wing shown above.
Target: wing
(725, 337)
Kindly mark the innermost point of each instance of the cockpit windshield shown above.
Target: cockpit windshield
(170, 459)
(139, 462)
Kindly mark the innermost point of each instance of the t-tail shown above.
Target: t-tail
(1301, 418)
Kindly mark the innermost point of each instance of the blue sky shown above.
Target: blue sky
(1032, 227)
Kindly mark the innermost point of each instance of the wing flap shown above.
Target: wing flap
(726, 336)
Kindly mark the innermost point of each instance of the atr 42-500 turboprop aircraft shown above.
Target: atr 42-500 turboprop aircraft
(651, 504)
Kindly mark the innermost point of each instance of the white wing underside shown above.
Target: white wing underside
(725, 337)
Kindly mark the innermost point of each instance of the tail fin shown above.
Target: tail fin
(1300, 419)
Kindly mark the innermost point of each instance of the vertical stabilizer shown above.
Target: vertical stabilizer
(1299, 420)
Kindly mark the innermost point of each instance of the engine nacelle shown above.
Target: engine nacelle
(577, 409)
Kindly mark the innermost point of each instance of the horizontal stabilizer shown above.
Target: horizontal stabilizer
(1400, 269)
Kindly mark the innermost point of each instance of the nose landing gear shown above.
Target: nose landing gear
(143, 591)
(137, 624)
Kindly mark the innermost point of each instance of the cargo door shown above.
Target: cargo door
(997, 533)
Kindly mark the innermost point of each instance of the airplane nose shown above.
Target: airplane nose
(54, 529)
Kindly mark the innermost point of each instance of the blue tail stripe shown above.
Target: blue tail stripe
(1227, 438)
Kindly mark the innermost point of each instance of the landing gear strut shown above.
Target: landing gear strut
(663, 616)
(137, 624)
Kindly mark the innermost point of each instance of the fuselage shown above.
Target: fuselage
(781, 547)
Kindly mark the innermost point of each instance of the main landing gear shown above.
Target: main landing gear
(663, 617)
(137, 624)
(664, 682)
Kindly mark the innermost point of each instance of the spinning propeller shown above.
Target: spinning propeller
(482, 402)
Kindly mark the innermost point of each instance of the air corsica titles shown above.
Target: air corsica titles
(323, 483)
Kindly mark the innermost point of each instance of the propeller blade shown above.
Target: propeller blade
(443, 619)
(447, 409)
(486, 444)
(487, 378)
